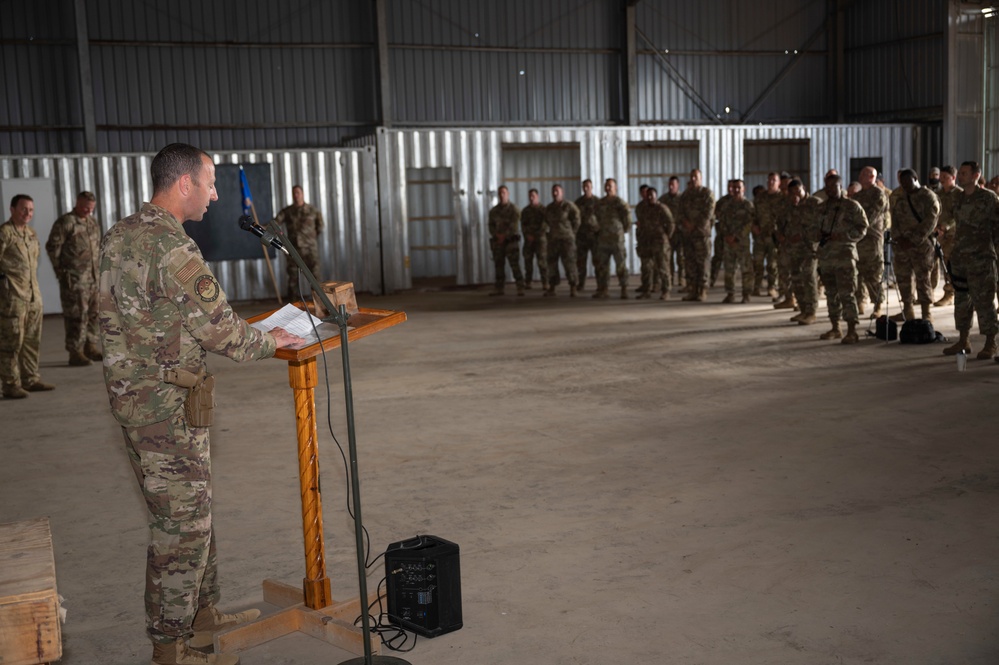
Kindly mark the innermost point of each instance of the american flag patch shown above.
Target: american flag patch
(190, 269)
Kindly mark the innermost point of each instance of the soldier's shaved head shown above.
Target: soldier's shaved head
(174, 162)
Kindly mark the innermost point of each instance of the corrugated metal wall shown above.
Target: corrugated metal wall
(341, 183)
(476, 159)
(763, 157)
(895, 52)
(991, 139)
(697, 60)
(430, 223)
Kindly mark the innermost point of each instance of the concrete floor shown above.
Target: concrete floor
(629, 482)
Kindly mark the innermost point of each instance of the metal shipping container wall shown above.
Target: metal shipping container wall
(341, 183)
(476, 156)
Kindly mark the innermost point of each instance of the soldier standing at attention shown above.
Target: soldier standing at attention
(871, 249)
(161, 312)
(671, 199)
(655, 224)
(563, 220)
(697, 208)
(504, 238)
(20, 302)
(973, 261)
(949, 192)
(586, 236)
(798, 236)
(614, 220)
(73, 247)
(303, 224)
(914, 219)
(841, 224)
(535, 230)
(736, 217)
(764, 246)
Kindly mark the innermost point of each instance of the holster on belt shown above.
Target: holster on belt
(199, 406)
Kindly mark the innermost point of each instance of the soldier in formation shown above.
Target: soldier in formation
(871, 248)
(535, 231)
(797, 235)
(697, 208)
(504, 240)
(73, 246)
(914, 218)
(973, 261)
(614, 220)
(841, 224)
(562, 218)
(671, 199)
(764, 238)
(736, 218)
(949, 191)
(586, 236)
(303, 225)
(652, 232)
(20, 302)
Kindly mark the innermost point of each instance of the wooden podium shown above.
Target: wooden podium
(311, 609)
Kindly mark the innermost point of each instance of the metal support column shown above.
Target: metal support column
(86, 80)
(384, 72)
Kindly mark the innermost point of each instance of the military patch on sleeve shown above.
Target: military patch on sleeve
(207, 288)
(189, 270)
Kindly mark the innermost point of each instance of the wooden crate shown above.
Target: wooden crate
(30, 631)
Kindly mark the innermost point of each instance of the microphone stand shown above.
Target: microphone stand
(339, 317)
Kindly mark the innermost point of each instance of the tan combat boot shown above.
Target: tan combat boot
(790, 302)
(745, 297)
(93, 352)
(729, 298)
(572, 290)
(78, 359)
(806, 318)
(877, 311)
(209, 620)
(664, 295)
(549, 292)
(907, 313)
(624, 293)
(851, 333)
(601, 294)
(948, 299)
(833, 333)
(860, 307)
(179, 653)
(989, 350)
(772, 292)
(925, 311)
(961, 345)
(14, 392)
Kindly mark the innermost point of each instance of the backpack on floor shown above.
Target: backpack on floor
(917, 331)
(885, 328)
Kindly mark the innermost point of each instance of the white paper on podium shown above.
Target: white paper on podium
(296, 321)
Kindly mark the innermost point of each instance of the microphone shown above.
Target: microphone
(266, 237)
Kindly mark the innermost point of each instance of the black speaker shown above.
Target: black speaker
(423, 583)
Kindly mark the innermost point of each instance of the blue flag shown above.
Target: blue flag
(247, 197)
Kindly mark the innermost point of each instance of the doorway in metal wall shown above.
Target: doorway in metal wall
(431, 226)
(762, 157)
(539, 167)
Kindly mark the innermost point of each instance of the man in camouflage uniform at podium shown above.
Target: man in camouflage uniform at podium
(504, 240)
(73, 247)
(303, 225)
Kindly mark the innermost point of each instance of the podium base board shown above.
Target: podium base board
(333, 624)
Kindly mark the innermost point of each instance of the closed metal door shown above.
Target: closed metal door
(762, 157)
(431, 223)
(539, 167)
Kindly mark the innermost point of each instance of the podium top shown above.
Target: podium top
(365, 322)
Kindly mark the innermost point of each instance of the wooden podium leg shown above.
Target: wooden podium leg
(316, 585)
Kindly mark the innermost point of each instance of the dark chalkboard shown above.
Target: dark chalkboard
(218, 235)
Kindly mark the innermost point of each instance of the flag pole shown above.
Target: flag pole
(248, 201)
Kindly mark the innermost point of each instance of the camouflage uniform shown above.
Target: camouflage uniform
(161, 308)
(652, 233)
(765, 249)
(841, 224)
(946, 222)
(973, 261)
(736, 218)
(717, 253)
(914, 216)
(871, 249)
(614, 220)
(697, 207)
(799, 237)
(535, 230)
(504, 220)
(672, 201)
(73, 247)
(303, 226)
(586, 236)
(20, 307)
(563, 220)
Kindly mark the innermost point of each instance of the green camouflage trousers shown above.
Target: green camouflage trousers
(804, 278)
(696, 257)
(310, 259)
(79, 311)
(655, 268)
(564, 249)
(975, 293)
(585, 244)
(508, 252)
(536, 250)
(20, 339)
(840, 279)
(764, 251)
(606, 250)
(171, 461)
(738, 255)
(870, 268)
(914, 264)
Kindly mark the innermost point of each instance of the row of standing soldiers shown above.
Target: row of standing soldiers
(675, 227)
